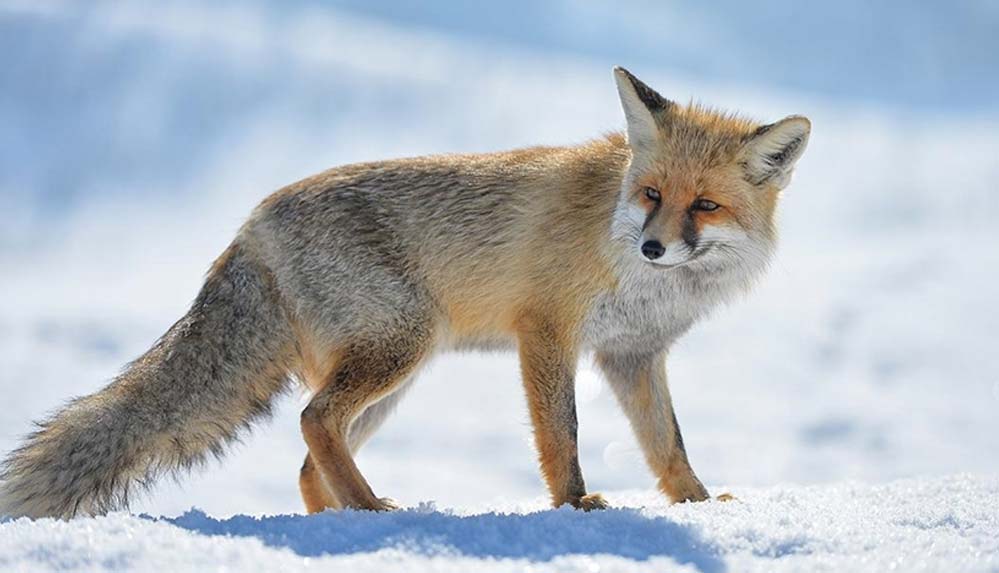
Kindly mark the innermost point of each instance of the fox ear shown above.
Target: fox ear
(641, 104)
(772, 150)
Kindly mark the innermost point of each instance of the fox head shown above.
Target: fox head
(701, 190)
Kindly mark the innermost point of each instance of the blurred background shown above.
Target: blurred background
(135, 137)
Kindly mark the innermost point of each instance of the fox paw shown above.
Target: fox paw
(590, 502)
(387, 504)
(726, 497)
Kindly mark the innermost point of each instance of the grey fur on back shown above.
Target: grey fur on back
(208, 377)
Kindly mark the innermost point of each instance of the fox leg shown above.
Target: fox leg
(365, 372)
(548, 368)
(315, 494)
(639, 382)
(367, 423)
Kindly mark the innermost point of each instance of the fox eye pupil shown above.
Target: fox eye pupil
(705, 205)
(652, 194)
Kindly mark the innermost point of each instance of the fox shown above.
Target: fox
(348, 281)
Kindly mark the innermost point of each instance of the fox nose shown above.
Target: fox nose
(653, 250)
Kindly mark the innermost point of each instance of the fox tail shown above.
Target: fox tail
(213, 373)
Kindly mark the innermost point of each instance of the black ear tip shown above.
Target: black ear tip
(649, 96)
(623, 75)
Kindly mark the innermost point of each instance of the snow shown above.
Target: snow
(942, 524)
(850, 402)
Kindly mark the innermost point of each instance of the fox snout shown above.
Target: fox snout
(653, 249)
(669, 236)
(674, 253)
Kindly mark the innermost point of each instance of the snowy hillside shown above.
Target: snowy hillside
(851, 402)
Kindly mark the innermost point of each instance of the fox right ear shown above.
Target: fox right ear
(772, 150)
(641, 105)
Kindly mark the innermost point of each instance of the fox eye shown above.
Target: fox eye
(705, 205)
(652, 194)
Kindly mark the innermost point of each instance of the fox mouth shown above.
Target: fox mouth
(696, 254)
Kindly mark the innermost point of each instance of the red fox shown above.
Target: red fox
(349, 280)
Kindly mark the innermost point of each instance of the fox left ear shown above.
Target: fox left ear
(641, 105)
(772, 150)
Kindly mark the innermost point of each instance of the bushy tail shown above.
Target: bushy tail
(215, 371)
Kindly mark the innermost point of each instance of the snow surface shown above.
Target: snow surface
(867, 355)
(943, 524)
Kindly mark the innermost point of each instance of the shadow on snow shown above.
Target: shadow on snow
(537, 536)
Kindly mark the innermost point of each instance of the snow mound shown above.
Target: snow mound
(939, 524)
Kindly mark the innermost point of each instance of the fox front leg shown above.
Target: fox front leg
(639, 382)
(547, 363)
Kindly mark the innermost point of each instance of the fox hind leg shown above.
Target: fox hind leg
(367, 422)
(315, 493)
(367, 371)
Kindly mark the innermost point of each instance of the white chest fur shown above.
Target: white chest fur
(650, 309)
